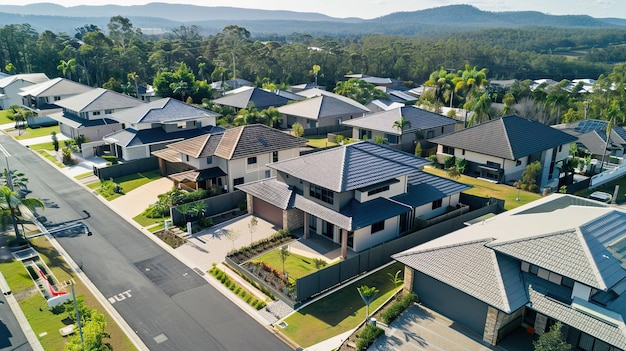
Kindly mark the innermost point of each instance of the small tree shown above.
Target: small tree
(252, 226)
(284, 253)
(368, 294)
(529, 176)
(55, 141)
(184, 209)
(379, 140)
(395, 278)
(232, 235)
(418, 149)
(297, 129)
(319, 263)
(453, 173)
(460, 164)
(552, 340)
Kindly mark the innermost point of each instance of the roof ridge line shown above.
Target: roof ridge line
(594, 265)
(449, 246)
(500, 281)
(533, 237)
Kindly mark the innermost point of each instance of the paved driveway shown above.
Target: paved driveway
(419, 328)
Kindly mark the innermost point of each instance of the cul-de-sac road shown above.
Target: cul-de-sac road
(168, 305)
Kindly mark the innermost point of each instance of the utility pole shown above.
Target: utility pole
(80, 328)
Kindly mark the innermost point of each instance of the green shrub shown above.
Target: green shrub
(367, 336)
(393, 311)
(109, 158)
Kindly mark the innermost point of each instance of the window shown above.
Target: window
(378, 190)
(377, 227)
(448, 150)
(267, 174)
(238, 181)
(275, 156)
(108, 112)
(392, 139)
(518, 162)
(96, 113)
(430, 134)
(252, 160)
(187, 158)
(560, 148)
(209, 160)
(437, 203)
(321, 193)
(312, 222)
(442, 130)
(57, 98)
(180, 125)
(568, 282)
(463, 152)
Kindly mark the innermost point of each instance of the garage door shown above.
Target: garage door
(268, 212)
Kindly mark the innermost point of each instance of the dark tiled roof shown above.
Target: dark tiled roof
(425, 188)
(98, 100)
(509, 137)
(131, 137)
(198, 175)
(420, 120)
(259, 98)
(322, 107)
(363, 214)
(166, 110)
(351, 166)
(269, 190)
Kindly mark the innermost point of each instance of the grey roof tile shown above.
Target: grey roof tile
(383, 121)
(319, 107)
(255, 139)
(269, 190)
(351, 166)
(166, 110)
(256, 97)
(56, 86)
(425, 188)
(97, 100)
(132, 137)
(510, 137)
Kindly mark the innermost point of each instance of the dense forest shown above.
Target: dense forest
(120, 56)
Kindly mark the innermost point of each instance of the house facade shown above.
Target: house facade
(224, 160)
(12, 85)
(151, 126)
(321, 110)
(421, 126)
(556, 259)
(89, 113)
(42, 97)
(500, 150)
(357, 195)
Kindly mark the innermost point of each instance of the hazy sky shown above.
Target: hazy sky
(375, 8)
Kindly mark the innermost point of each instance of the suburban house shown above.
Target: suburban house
(357, 195)
(422, 125)
(146, 93)
(89, 113)
(305, 86)
(377, 81)
(559, 258)
(12, 85)
(320, 110)
(400, 96)
(591, 134)
(227, 159)
(379, 105)
(500, 150)
(221, 87)
(42, 97)
(261, 99)
(151, 126)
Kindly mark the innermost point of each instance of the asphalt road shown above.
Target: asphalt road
(169, 305)
(11, 336)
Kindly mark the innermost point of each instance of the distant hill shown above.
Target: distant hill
(160, 17)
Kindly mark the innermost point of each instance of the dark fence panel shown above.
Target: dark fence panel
(126, 168)
(572, 188)
(349, 270)
(213, 205)
(326, 130)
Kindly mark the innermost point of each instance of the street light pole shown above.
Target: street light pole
(80, 328)
(9, 179)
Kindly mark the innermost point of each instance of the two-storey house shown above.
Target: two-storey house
(89, 113)
(358, 195)
(560, 258)
(227, 159)
(151, 126)
(500, 150)
(42, 97)
(12, 85)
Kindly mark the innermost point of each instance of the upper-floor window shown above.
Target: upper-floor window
(430, 134)
(209, 160)
(275, 156)
(321, 193)
(108, 112)
(518, 162)
(181, 125)
(448, 150)
(57, 98)
(252, 160)
(378, 226)
(391, 138)
(378, 190)
(96, 113)
(237, 181)
(267, 173)
(547, 275)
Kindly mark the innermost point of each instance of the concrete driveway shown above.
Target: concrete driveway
(420, 328)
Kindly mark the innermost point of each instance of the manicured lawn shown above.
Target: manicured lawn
(83, 175)
(319, 141)
(128, 183)
(156, 228)
(38, 132)
(42, 146)
(295, 265)
(4, 117)
(43, 321)
(51, 158)
(487, 189)
(15, 273)
(340, 311)
(145, 221)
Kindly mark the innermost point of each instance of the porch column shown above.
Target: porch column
(306, 225)
(344, 243)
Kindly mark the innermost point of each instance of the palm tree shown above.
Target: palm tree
(284, 253)
(400, 125)
(10, 201)
(67, 67)
(135, 78)
(481, 106)
(368, 294)
(180, 88)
